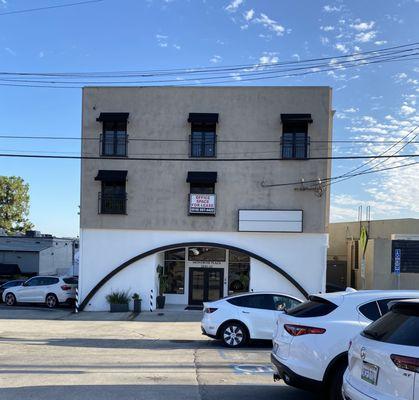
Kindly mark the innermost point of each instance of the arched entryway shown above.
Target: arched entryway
(126, 264)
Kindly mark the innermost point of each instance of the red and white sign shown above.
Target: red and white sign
(201, 203)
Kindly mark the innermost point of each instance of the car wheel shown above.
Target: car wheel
(234, 334)
(51, 301)
(10, 299)
(336, 381)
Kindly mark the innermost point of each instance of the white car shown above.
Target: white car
(50, 290)
(310, 344)
(384, 358)
(242, 317)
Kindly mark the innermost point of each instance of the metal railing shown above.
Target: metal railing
(112, 204)
(113, 145)
(295, 148)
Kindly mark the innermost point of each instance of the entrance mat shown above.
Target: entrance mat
(194, 308)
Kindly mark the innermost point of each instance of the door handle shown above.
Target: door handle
(245, 312)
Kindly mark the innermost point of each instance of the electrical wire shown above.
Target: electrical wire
(82, 157)
(29, 10)
(337, 177)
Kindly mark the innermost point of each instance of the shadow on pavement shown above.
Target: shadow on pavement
(140, 343)
(158, 391)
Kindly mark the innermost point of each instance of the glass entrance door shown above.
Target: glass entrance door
(205, 284)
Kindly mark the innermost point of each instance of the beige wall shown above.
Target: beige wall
(157, 190)
(378, 253)
(340, 233)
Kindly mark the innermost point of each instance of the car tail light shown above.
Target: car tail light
(210, 310)
(66, 287)
(300, 330)
(404, 362)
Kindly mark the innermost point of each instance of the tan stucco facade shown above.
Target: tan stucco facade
(157, 190)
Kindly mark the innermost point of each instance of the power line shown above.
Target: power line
(254, 71)
(382, 153)
(338, 177)
(29, 10)
(198, 159)
(78, 138)
(155, 72)
(253, 74)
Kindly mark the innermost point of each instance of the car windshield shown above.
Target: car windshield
(397, 327)
(71, 280)
(315, 307)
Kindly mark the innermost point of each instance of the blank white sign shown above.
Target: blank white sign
(271, 220)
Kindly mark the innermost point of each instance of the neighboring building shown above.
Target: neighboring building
(37, 254)
(384, 238)
(214, 225)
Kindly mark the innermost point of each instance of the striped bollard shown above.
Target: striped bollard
(151, 300)
(76, 310)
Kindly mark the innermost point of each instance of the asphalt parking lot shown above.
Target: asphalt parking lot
(54, 354)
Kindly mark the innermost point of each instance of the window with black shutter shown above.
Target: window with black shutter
(112, 197)
(114, 138)
(295, 141)
(203, 137)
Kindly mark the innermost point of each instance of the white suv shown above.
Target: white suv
(384, 358)
(50, 290)
(242, 317)
(310, 345)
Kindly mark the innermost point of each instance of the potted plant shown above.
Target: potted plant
(137, 302)
(163, 285)
(118, 300)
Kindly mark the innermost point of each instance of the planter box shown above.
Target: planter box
(137, 306)
(119, 307)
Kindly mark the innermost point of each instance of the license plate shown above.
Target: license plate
(369, 373)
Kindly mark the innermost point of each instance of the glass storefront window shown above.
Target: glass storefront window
(206, 254)
(174, 265)
(238, 272)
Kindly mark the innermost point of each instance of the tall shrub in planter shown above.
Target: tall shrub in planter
(118, 300)
(163, 285)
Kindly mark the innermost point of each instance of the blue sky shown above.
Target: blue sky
(372, 102)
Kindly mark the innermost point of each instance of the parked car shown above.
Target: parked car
(239, 318)
(9, 284)
(50, 290)
(310, 344)
(384, 358)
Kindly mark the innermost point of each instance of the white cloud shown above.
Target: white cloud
(365, 37)
(215, 59)
(341, 47)
(248, 15)
(324, 40)
(176, 46)
(233, 6)
(268, 59)
(270, 24)
(380, 42)
(407, 110)
(10, 51)
(162, 40)
(236, 76)
(351, 110)
(362, 26)
(327, 28)
(328, 8)
(41, 54)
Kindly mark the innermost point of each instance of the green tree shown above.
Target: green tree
(14, 204)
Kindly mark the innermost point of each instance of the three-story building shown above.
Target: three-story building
(182, 178)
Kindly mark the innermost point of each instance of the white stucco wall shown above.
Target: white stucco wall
(301, 255)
